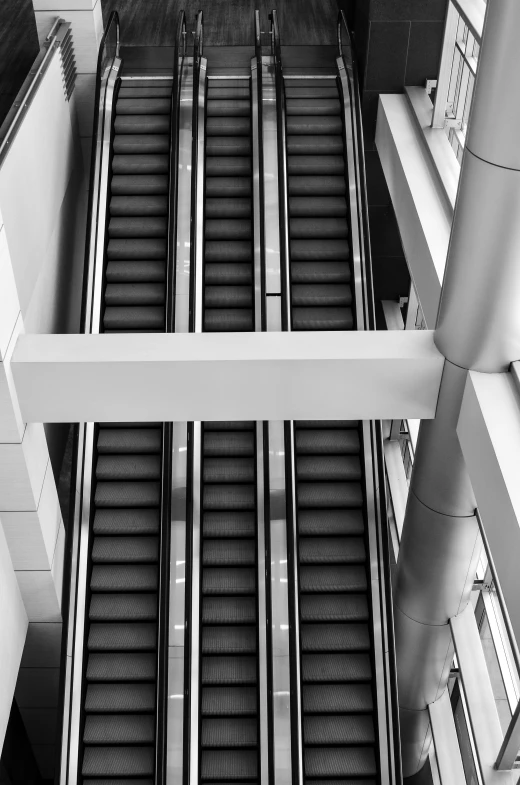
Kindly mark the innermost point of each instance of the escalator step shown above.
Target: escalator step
(142, 124)
(311, 165)
(228, 581)
(119, 781)
(228, 701)
(337, 296)
(316, 145)
(127, 494)
(342, 730)
(317, 207)
(228, 251)
(118, 762)
(229, 470)
(320, 273)
(137, 249)
(332, 550)
(228, 670)
(228, 166)
(139, 144)
(143, 106)
(149, 204)
(129, 550)
(228, 228)
(228, 610)
(129, 440)
(293, 90)
(228, 145)
(236, 553)
(327, 442)
(121, 667)
(119, 729)
(126, 521)
(239, 443)
(322, 319)
(224, 765)
(223, 91)
(138, 90)
(135, 317)
(228, 107)
(124, 577)
(123, 607)
(334, 637)
(336, 667)
(333, 607)
(330, 425)
(228, 296)
(128, 467)
(316, 580)
(319, 250)
(340, 762)
(228, 524)
(228, 187)
(122, 637)
(229, 732)
(317, 106)
(328, 468)
(140, 164)
(230, 425)
(229, 126)
(317, 185)
(330, 522)
(329, 495)
(112, 698)
(136, 272)
(330, 228)
(328, 125)
(228, 208)
(130, 294)
(228, 320)
(228, 640)
(142, 226)
(337, 698)
(229, 497)
(139, 185)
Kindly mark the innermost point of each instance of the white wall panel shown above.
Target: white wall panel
(12, 425)
(22, 470)
(9, 303)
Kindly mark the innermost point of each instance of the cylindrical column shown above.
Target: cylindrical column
(478, 326)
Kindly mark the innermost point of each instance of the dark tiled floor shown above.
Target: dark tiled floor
(18, 48)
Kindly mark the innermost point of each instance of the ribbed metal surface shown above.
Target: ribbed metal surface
(229, 692)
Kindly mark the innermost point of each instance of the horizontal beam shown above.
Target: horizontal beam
(234, 376)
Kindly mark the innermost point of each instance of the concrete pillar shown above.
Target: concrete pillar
(478, 328)
(86, 19)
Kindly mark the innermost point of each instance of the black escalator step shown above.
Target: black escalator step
(327, 442)
(329, 125)
(152, 82)
(332, 637)
(316, 185)
(322, 319)
(229, 469)
(138, 226)
(138, 205)
(316, 106)
(134, 317)
(141, 144)
(228, 126)
(228, 229)
(118, 762)
(228, 107)
(228, 320)
(228, 187)
(319, 295)
(221, 90)
(329, 228)
(140, 164)
(229, 425)
(322, 468)
(317, 206)
(139, 185)
(119, 729)
(350, 781)
(128, 467)
(308, 90)
(122, 637)
(130, 294)
(119, 781)
(228, 497)
(111, 698)
(329, 522)
(134, 550)
(312, 165)
(227, 208)
(124, 577)
(336, 667)
(239, 443)
(228, 166)
(129, 440)
(142, 124)
(128, 494)
(228, 581)
(123, 607)
(229, 701)
(136, 272)
(333, 607)
(325, 424)
(229, 732)
(315, 145)
(227, 297)
(136, 248)
(220, 553)
(228, 766)
(228, 670)
(121, 667)
(228, 610)
(329, 495)
(228, 524)
(143, 106)
(138, 90)
(126, 522)
(228, 641)
(325, 730)
(319, 250)
(228, 145)
(340, 762)
(228, 251)
(337, 698)
(332, 550)
(333, 579)
(320, 273)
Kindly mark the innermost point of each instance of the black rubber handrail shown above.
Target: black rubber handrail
(197, 55)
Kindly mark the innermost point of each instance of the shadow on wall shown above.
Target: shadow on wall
(18, 48)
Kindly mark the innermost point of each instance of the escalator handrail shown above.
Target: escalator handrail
(347, 54)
